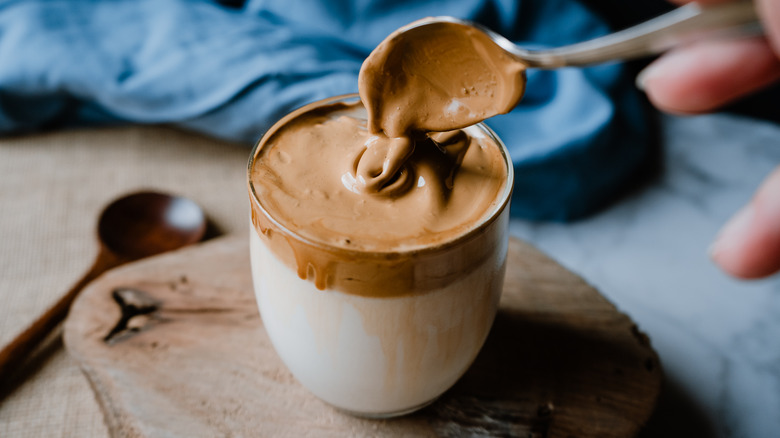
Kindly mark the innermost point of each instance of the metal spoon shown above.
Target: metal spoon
(130, 228)
(442, 73)
(684, 24)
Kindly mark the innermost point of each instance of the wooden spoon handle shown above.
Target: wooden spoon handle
(16, 352)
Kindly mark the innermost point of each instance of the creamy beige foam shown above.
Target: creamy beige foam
(307, 176)
(430, 76)
(351, 237)
(437, 76)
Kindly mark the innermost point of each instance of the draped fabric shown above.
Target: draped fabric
(231, 69)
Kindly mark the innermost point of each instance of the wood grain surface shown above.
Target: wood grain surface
(173, 346)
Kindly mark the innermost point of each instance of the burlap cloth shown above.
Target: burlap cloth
(52, 189)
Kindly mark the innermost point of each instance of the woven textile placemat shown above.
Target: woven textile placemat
(52, 189)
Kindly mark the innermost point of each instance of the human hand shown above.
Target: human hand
(703, 77)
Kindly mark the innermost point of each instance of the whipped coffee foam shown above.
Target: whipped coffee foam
(361, 241)
(437, 76)
(430, 76)
(307, 177)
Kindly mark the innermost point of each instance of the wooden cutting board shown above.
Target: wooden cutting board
(174, 347)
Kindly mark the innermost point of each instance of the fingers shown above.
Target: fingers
(769, 11)
(708, 75)
(748, 246)
(704, 77)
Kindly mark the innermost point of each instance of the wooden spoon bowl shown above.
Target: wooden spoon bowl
(130, 228)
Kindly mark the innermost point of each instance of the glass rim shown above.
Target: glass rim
(499, 207)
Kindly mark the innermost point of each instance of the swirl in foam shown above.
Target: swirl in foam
(324, 177)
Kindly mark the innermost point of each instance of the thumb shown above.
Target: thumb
(748, 246)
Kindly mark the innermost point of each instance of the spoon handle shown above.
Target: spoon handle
(13, 355)
(684, 24)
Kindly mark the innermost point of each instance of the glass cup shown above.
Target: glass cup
(379, 356)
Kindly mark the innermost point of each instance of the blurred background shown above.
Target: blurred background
(101, 98)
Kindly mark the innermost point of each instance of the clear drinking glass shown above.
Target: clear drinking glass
(380, 356)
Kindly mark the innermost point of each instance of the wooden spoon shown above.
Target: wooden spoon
(130, 228)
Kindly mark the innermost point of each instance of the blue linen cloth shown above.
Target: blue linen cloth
(232, 71)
